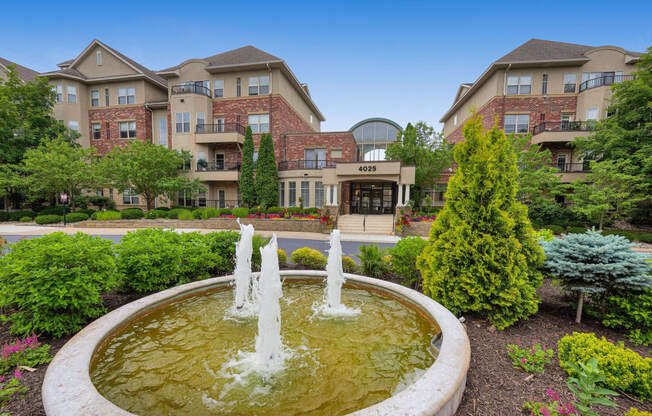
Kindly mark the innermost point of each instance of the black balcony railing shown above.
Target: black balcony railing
(220, 203)
(305, 164)
(574, 167)
(190, 89)
(563, 126)
(221, 128)
(604, 80)
(204, 166)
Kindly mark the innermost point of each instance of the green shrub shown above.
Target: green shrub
(631, 235)
(222, 244)
(282, 257)
(207, 213)
(240, 212)
(531, 359)
(626, 310)
(174, 213)
(548, 212)
(274, 210)
(311, 211)
(55, 282)
(17, 215)
(132, 214)
(636, 412)
(26, 219)
(185, 215)
(155, 214)
(198, 260)
(76, 217)
(48, 219)
(349, 265)
(576, 230)
(166, 209)
(544, 234)
(225, 211)
(86, 211)
(404, 260)
(556, 229)
(309, 258)
(371, 261)
(51, 210)
(295, 210)
(149, 259)
(623, 368)
(4, 216)
(257, 242)
(107, 215)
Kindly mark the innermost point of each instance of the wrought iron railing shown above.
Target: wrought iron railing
(305, 164)
(221, 203)
(574, 167)
(190, 89)
(563, 126)
(221, 128)
(205, 166)
(604, 80)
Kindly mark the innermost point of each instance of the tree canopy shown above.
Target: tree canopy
(266, 173)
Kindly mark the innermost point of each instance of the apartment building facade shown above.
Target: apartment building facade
(204, 105)
(552, 90)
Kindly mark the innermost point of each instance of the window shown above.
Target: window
(106, 97)
(219, 125)
(97, 133)
(187, 163)
(259, 123)
(319, 194)
(315, 158)
(201, 121)
(566, 121)
(305, 193)
(561, 162)
(126, 95)
(130, 197)
(238, 87)
(73, 125)
(221, 198)
(310, 118)
(517, 123)
(455, 120)
(258, 85)
(218, 88)
(99, 57)
(95, 98)
(219, 161)
(59, 91)
(292, 193)
(184, 198)
(127, 129)
(519, 85)
(201, 199)
(544, 84)
(255, 158)
(163, 131)
(570, 81)
(182, 122)
(336, 154)
(281, 194)
(592, 114)
(72, 94)
(108, 130)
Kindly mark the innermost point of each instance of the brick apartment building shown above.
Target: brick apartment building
(204, 105)
(551, 90)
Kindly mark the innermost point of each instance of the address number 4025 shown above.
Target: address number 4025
(370, 168)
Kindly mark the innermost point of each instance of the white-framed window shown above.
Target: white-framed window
(182, 122)
(238, 87)
(220, 161)
(163, 131)
(201, 121)
(127, 129)
(281, 194)
(72, 93)
(58, 89)
(259, 123)
(319, 194)
(73, 125)
(126, 95)
(97, 131)
(292, 194)
(259, 85)
(310, 118)
(592, 114)
(455, 120)
(519, 85)
(517, 123)
(218, 88)
(107, 102)
(219, 124)
(544, 84)
(130, 197)
(570, 83)
(305, 193)
(95, 98)
(99, 57)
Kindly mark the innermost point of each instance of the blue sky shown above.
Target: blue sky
(401, 60)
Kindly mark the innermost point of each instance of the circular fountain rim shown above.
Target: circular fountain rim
(68, 390)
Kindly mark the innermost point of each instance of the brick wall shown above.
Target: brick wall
(113, 116)
(293, 145)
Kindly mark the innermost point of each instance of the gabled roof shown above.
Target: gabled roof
(241, 56)
(534, 52)
(70, 65)
(24, 73)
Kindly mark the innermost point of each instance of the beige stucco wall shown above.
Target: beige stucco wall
(110, 64)
(491, 88)
(156, 115)
(78, 111)
(287, 90)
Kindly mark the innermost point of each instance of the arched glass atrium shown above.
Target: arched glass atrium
(372, 137)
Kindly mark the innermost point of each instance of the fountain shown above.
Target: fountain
(167, 354)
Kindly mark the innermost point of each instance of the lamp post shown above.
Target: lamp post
(63, 197)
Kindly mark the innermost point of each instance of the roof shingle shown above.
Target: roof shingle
(24, 73)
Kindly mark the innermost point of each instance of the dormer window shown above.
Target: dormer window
(99, 57)
(258, 85)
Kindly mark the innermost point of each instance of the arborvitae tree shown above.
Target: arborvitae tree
(267, 173)
(247, 170)
(597, 265)
(482, 254)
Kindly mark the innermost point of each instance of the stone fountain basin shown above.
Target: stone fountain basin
(68, 389)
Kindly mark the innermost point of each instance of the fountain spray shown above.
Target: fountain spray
(244, 302)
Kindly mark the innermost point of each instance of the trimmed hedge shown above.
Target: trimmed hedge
(87, 211)
(106, 215)
(156, 214)
(282, 257)
(17, 215)
(174, 213)
(274, 210)
(26, 219)
(76, 217)
(349, 265)
(295, 211)
(205, 213)
(311, 211)
(4, 216)
(225, 211)
(309, 257)
(623, 368)
(48, 219)
(240, 212)
(51, 210)
(132, 214)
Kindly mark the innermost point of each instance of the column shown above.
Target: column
(407, 193)
(399, 200)
(334, 194)
(328, 195)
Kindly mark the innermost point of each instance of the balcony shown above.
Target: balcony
(220, 133)
(604, 80)
(218, 171)
(560, 131)
(190, 89)
(305, 164)
(573, 171)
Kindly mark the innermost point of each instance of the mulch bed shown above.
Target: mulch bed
(494, 387)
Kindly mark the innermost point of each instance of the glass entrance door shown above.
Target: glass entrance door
(373, 198)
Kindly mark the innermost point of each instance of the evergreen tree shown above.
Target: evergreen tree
(598, 265)
(267, 173)
(247, 170)
(482, 254)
